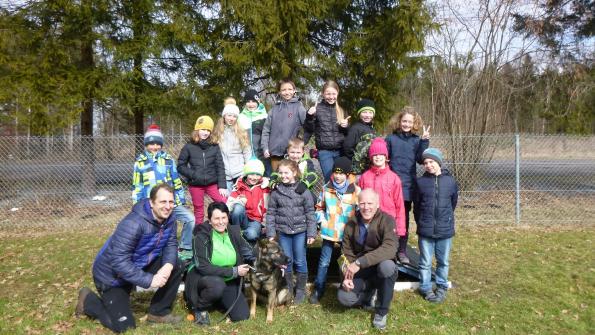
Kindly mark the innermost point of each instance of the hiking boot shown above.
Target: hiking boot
(201, 318)
(79, 311)
(439, 296)
(402, 257)
(428, 295)
(168, 318)
(379, 321)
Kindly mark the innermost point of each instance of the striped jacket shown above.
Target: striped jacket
(333, 210)
(150, 170)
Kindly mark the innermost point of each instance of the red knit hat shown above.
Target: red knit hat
(378, 147)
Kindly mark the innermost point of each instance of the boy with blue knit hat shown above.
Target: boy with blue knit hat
(434, 206)
(247, 203)
(154, 166)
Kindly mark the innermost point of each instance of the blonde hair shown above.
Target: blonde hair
(293, 166)
(295, 143)
(240, 134)
(196, 138)
(395, 122)
(340, 112)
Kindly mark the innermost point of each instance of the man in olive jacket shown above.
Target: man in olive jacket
(370, 246)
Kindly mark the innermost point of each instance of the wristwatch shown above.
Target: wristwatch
(357, 263)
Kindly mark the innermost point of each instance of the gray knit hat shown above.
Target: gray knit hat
(434, 154)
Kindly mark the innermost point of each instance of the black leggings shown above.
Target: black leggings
(213, 291)
(113, 310)
(403, 239)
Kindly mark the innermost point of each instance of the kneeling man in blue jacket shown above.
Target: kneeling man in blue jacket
(142, 251)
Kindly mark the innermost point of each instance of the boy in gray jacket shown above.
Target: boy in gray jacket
(283, 123)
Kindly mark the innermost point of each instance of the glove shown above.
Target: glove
(301, 188)
(274, 180)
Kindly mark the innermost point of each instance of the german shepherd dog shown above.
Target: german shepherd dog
(266, 281)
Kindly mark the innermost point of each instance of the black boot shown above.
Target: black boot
(300, 288)
(289, 281)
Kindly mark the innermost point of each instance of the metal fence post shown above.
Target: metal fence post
(517, 168)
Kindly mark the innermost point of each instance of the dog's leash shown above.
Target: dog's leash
(237, 297)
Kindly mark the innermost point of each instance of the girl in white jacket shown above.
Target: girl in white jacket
(233, 142)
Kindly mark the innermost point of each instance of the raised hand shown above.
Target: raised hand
(426, 132)
(345, 122)
(312, 109)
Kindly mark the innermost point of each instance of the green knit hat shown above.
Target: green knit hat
(254, 166)
(365, 105)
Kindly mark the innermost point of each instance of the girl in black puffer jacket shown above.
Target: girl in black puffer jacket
(327, 121)
(201, 163)
(290, 215)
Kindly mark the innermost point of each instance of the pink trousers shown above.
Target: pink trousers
(198, 199)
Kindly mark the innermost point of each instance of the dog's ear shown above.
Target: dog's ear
(262, 242)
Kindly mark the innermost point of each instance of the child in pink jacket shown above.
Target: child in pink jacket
(386, 183)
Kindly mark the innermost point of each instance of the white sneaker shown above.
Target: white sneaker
(379, 322)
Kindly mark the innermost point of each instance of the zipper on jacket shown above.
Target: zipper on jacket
(160, 236)
(436, 192)
(204, 164)
(156, 244)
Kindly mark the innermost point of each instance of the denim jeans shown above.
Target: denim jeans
(326, 158)
(250, 228)
(428, 247)
(184, 215)
(294, 247)
(268, 169)
(326, 254)
(230, 184)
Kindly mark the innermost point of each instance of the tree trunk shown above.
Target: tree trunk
(138, 110)
(87, 142)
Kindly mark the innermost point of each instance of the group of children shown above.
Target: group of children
(253, 161)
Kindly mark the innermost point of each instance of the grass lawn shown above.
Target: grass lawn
(527, 280)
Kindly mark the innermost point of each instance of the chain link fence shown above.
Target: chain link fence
(504, 179)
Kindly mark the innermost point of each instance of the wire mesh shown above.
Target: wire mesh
(47, 178)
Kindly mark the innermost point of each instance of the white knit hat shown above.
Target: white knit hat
(231, 110)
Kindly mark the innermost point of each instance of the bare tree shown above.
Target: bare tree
(469, 99)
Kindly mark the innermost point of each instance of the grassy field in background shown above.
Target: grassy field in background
(527, 280)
